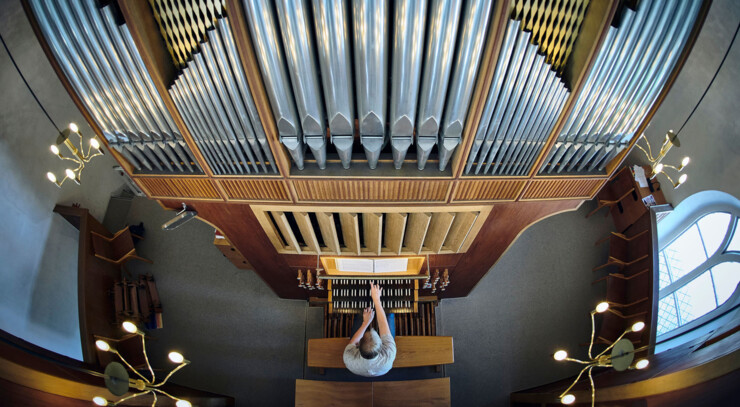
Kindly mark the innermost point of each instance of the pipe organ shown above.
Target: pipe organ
(371, 127)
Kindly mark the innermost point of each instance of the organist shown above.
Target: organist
(369, 354)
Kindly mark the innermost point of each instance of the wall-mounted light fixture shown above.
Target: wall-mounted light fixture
(117, 379)
(77, 155)
(656, 163)
(621, 356)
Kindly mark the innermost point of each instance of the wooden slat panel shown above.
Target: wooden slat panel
(411, 351)
(395, 228)
(255, 190)
(350, 231)
(315, 393)
(438, 229)
(428, 393)
(372, 225)
(561, 188)
(330, 190)
(199, 188)
(460, 230)
(328, 231)
(488, 190)
(284, 226)
(309, 235)
(416, 231)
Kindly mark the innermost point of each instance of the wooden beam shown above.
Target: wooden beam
(350, 232)
(438, 230)
(306, 228)
(372, 225)
(395, 228)
(459, 230)
(285, 229)
(329, 231)
(416, 231)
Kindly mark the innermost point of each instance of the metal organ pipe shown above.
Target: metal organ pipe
(264, 30)
(440, 49)
(475, 26)
(633, 66)
(332, 22)
(408, 46)
(301, 56)
(371, 73)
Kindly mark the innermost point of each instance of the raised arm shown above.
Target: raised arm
(376, 292)
(367, 318)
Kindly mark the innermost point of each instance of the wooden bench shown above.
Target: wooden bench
(411, 351)
(430, 392)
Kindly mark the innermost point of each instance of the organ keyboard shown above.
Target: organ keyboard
(352, 295)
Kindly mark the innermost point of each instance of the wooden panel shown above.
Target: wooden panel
(427, 393)
(314, 393)
(199, 188)
(329, 231)
(459, 230)
(231, 253)
(350, 232)
(395, 228)
(255, 190)
(282, 222)
(438, 229)
(416, 231)
(562, 188)
(307, 232)
(488, 190)
(330, 190)
(411, 351)
(372, 225)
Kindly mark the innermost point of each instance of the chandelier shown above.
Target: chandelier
(77, 155)
(656, 163)
(117, 379)
(621, 356)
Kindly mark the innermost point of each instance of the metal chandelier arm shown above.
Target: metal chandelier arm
(171, 373)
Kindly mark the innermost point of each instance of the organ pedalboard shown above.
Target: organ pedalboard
(352, 296)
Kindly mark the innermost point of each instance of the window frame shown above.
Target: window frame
(688, 214)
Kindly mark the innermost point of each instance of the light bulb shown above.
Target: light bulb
(683, 178)
(102, 345)
(54, 149)
(51, 177)
(129, 326)
(100, 401)
(94, 143)
(560, 355)
(183, 403)
(602, 306)
(568, 399)
(73, 127)
(685, 161)
(637, 326)
(658, 168)
(642, 363)
(176, 357)
(70, 174)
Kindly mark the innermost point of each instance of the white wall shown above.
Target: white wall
(38, 293)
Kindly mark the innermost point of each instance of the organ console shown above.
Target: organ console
(349, 295)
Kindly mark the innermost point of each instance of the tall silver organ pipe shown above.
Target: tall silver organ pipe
(268, 50)
(106, 70)
(631, 69)
(332, 22)
(408, 45)
(371, 73)
(294, 20)
(470, 45)
(440, 49)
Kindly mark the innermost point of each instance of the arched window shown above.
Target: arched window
(699, 263)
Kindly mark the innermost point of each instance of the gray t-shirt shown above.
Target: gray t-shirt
(377, 366)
